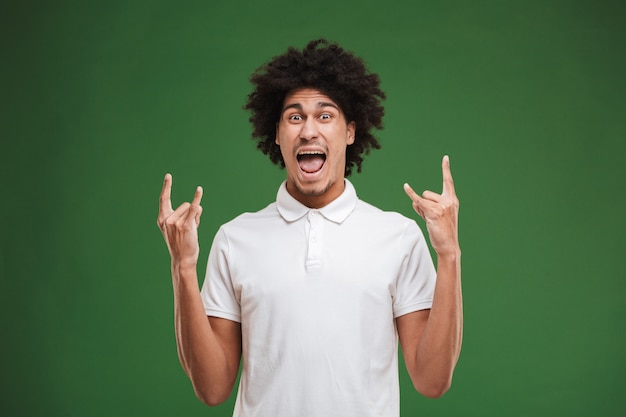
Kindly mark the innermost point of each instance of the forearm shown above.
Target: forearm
(440, 344)
(200, 350)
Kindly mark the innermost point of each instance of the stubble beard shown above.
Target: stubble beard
(315, 190)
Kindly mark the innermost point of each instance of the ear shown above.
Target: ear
(351, 130)
(276, 138)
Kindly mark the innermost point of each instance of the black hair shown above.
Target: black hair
(337, 73)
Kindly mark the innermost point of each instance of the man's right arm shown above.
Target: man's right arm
(209, 349)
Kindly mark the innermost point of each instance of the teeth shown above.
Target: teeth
(311, 153)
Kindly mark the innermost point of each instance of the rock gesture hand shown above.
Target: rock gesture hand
(180, 226)
(440, 212)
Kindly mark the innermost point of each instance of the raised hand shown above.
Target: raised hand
(180, 226)
(440, 212)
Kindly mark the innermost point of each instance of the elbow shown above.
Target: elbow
(434, 392)
(211, 402)
(210, 391)
(211, 398)
(433, 389)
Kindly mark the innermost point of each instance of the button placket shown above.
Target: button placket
(315, 223)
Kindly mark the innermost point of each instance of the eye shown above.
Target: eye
(295, 117)
(325, 116)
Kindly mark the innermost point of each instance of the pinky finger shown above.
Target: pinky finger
(198, 214)
(197, 196)
(412, 194)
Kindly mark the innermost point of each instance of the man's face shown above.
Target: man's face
(313, 135)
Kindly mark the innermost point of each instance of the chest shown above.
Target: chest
(317, 265)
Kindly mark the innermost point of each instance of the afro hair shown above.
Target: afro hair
(328, 68)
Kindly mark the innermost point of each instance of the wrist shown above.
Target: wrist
(451, 255)
(184, 268)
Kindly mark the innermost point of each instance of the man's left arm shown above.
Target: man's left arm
(431, 339)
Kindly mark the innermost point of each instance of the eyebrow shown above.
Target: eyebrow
(319, 105)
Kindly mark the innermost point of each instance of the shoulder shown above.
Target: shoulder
(267, 212)
(368, 211)
(252, 221)
(380, 221)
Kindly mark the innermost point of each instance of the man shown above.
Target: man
(314, 291)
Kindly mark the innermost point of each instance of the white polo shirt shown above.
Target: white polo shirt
(316, 292)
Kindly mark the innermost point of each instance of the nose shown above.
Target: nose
(309, 129)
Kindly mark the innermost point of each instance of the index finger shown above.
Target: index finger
(448, 183)
(165, 202)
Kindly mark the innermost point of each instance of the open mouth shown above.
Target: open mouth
(311, 161)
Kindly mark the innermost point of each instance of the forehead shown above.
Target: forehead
(308, 96)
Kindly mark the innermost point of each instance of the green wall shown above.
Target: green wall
(100, 99)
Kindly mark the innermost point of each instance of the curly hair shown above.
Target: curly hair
(324, 66)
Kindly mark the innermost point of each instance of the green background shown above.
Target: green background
(100, 99)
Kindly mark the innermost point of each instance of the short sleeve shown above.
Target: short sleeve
(415, 284)
(218, 294)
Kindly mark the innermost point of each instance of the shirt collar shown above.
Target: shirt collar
(337, 210)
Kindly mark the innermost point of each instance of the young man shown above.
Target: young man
(314, 291)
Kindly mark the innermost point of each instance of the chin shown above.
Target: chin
(313, 190)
